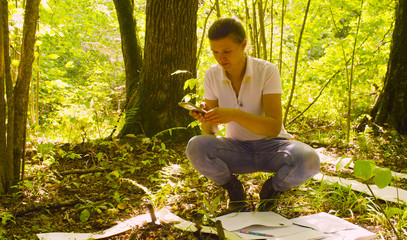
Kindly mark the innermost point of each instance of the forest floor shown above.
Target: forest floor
(92, 186)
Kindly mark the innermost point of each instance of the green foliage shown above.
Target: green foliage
(367, 169)
(6, 217)
(364, 169)
(85, 215)
(382, 177)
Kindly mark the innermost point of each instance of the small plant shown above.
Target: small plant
(367, 170)
(6, 217)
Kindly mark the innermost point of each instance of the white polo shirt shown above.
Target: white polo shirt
(261, 78)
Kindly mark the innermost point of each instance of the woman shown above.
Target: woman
(245, 94)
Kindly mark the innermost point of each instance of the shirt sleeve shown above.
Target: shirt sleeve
(209, 93)
(272, 81)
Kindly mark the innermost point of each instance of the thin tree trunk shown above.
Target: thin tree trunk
(132, 55)
(37, 89)
(22, 88)
(3, 131)
(280, 61)
(218, 14)
(262, 29)
(271, 30)
(203, 37)
(249, 28)
(255, 31)
(9, 157)
(296, 62)
(351, 76)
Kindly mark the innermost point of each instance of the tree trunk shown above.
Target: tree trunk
(170, 45)
(391, 106)
(21, 91)
(262, 30)
(130, 45)
(249, 28)
(271, 30)
(3, 142)
(7, 145)
(280, 60)
(296, 63)
(255, 32)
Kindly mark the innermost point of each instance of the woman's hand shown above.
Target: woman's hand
(199, 115)
(220, 115)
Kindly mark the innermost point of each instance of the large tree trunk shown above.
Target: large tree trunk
(391, 106)
(170, 45)
(21, 90)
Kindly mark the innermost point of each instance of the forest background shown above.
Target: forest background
(78, 91)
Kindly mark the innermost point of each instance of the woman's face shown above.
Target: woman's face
(228, 53)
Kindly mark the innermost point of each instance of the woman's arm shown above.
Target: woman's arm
(269, 125)
(207, 127)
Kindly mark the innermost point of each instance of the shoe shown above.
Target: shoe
(236, 194)
(268, 196)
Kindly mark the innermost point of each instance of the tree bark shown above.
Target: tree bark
(3, 132)
(21, 90)
(391, 106)
(132, 55)
(262, 30)
(170, 45)
(255, 32)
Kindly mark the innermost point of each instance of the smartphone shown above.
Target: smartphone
(191, 107)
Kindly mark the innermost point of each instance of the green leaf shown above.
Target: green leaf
(364, 169)
(69, 64)
(115, 173)
(53, 56)
(28, 184)
(191, 83)
(393, 211)
(382, 177)
(85, 215)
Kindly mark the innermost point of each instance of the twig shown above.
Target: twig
(320, 93)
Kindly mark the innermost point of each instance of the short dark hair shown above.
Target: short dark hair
(224, 27)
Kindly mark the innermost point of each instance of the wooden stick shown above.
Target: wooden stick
(219, 228)
(152, 214)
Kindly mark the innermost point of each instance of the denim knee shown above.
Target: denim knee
(312, 163)
(197, 149)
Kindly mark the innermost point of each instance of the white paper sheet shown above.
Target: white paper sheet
(290, 232)
(339, 229)
(235, 221)
(388, 193)
(162, 215)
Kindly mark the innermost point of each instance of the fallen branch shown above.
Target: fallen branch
(36, 208)
(73, 171)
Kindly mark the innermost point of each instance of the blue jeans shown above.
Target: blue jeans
(218, 158)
